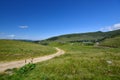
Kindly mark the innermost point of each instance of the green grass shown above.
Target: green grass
(16, 50)
(78, 63)
(111, 42)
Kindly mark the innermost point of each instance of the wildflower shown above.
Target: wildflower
(109, 62)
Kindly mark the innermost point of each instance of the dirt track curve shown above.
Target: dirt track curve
(17, 64)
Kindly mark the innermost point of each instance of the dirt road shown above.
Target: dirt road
(17, 64)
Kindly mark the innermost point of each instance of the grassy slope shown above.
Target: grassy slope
(75, 37)
(111, 42)
(84, 36)
(15, 50)
(79, 63)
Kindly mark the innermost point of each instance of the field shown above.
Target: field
(111, 42)
(79, 63)
(16, 50)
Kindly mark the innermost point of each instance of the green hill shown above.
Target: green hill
(15, 50)
(111, 42)
(78, 37)
(82, 37)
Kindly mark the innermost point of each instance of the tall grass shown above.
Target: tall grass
(79, 63)
(16, 50)
(111, 42)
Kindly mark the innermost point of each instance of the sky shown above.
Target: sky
(41, 19)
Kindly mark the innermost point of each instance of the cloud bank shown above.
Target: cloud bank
(111, 28)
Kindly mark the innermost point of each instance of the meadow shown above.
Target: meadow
(78, 63)
(111, 42)
(15, 50)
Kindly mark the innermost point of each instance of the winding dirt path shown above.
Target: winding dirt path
(17, 64)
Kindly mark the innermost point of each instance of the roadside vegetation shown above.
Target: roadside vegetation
(16, 50)
(80, 62)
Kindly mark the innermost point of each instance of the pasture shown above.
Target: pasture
(78, 63)
(16, 50)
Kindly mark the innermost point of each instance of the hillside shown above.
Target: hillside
(15, 50)
(111, 42)
(83, 37)
(80, 62)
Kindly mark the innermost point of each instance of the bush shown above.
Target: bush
(17, 74)
(88, 43)
(25, 69)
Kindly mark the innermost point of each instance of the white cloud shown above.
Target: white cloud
(11, 36)
(111, 28)
(23, 27)
(116, 26)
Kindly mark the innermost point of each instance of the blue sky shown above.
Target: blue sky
(40, 19)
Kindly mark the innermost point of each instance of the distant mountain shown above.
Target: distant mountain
(84, 37)
(24, 40)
